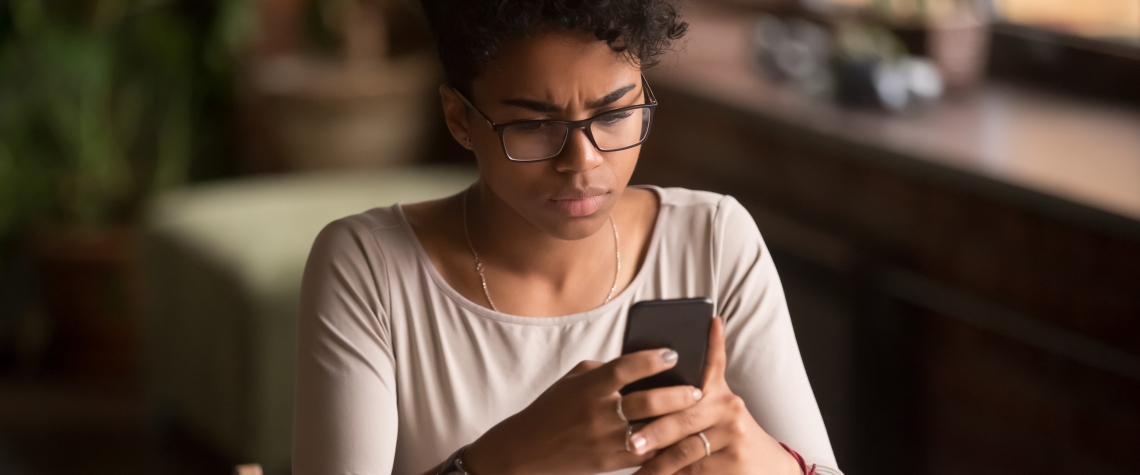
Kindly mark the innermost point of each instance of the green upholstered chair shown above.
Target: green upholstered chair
(223, 266)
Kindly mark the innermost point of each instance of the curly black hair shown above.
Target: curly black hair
(469, 32)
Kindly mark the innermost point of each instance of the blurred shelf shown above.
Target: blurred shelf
(1076, 160)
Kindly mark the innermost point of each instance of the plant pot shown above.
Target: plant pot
(90, 290)
(325, 114)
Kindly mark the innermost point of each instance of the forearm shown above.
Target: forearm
(434, 470)
(484, 456)
(481, 457)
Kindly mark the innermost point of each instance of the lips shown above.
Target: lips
(577, 203)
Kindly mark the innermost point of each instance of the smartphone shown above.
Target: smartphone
(680, 324)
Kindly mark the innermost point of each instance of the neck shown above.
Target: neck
(511, 243)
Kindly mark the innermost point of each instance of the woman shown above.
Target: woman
(468, 334)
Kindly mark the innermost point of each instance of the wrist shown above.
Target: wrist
(800, 465)
(482, 458)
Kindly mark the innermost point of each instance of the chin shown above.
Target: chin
(575, 228)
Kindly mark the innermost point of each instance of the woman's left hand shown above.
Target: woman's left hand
(738, 445)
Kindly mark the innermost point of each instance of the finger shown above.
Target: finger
(623, 459)
(671, 428)
(619, 458)
(688, 454)
(626, 369)
(717, 464)
(583, 367)
(659, 402)
(717, 359)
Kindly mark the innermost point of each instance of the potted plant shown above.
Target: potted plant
(342, 84)
(102, 104)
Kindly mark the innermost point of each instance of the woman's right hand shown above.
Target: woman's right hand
(573, 427)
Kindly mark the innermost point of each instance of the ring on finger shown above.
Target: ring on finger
(619, 411)
(628, 435)
(708, 448)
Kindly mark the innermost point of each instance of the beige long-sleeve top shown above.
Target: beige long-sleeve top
(396, 370)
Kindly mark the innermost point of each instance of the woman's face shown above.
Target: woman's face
(562, 76)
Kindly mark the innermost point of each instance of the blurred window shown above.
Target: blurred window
(1102, 19)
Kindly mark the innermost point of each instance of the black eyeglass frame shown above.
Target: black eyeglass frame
(583, 124)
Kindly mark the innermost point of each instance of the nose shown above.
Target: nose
(579, 154)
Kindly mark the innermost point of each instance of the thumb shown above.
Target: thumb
(717, 360)
(583, 367)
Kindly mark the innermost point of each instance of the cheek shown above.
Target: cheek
(514, 182)
(623, 164)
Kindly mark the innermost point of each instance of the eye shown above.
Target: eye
(532, 126)
(615, 117)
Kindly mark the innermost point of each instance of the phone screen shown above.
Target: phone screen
(680, 324)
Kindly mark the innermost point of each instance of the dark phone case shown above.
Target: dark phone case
(680, 324)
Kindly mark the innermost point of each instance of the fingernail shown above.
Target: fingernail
(696, 394)
(638, 444)
(669, 356)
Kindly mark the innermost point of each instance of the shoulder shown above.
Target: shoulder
(698, 202)
(379, 218)
(712, 224)
(360, 237)
(353, 254)
(714, 212)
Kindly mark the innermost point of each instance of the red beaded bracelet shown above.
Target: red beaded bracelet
(799, 459)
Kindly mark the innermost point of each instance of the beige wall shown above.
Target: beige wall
(1119, 18)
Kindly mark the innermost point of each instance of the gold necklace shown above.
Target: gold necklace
(479, 263)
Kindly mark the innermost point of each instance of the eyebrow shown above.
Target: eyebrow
(539, 106)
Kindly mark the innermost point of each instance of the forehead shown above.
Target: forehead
(555, 66)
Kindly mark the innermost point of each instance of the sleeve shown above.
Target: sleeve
(344, 414)
(764, 364)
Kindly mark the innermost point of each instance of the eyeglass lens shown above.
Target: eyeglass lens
(541, 140)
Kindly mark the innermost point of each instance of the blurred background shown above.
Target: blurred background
(950, 190)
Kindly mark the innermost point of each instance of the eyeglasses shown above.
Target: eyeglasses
(609, 131)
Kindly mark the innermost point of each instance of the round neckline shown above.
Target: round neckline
(591, 314)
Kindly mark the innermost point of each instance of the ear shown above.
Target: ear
(455, 113)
